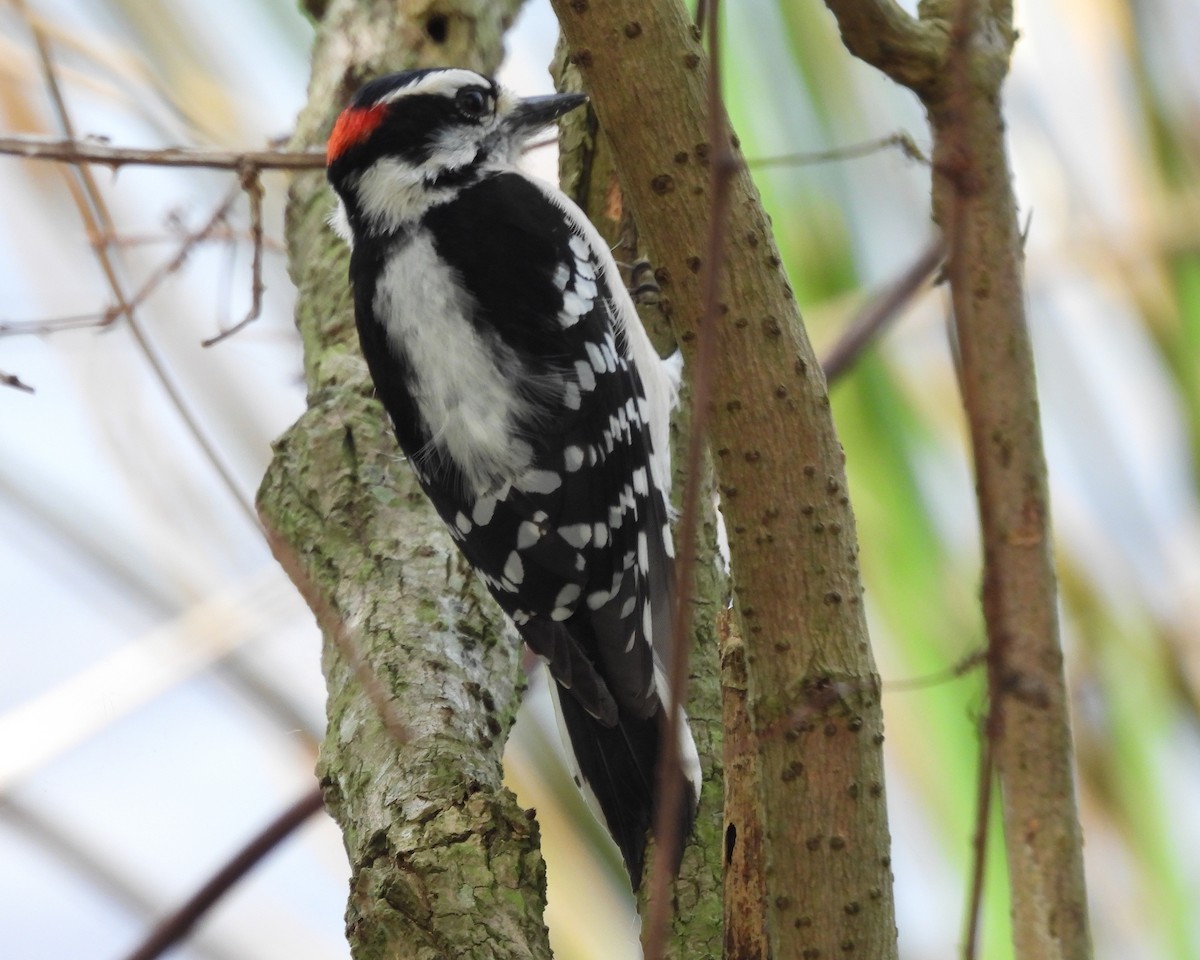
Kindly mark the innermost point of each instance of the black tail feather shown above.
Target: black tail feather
(619, 764)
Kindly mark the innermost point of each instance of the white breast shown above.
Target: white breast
(462, 383)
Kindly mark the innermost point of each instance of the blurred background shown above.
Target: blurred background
(160, 695)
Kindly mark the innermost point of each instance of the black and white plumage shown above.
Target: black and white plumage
(529, 401)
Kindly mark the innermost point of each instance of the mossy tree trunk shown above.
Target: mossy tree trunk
(423, 684)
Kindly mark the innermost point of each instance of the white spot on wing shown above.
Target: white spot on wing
(528, 534)
(585, 374)
(514, 569)
(580, 248)
(586, 289)
(596, 356)
(576, 534)
(568, 595)
(639, 482)
(573, 458)
(463, 524)
(540, 481)
(483, 510)
(574, 308)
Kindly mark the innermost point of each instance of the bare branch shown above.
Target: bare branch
(958, 669)
(899, 140)
(176, 926)
(98, 223)
(876, 315)
(979, 845)
(251, 182)
(966, 47)
(722, 166)
(12, 380)
(93, 151)
(881, 33)
(189, 243)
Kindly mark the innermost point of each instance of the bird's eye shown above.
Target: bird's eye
(472, 104)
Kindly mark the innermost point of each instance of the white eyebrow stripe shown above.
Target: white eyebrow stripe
(443, 82)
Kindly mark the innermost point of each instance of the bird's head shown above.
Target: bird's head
(408, 140)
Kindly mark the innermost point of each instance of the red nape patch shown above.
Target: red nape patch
(353, 126)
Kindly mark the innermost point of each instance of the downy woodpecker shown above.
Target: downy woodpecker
(529, 401)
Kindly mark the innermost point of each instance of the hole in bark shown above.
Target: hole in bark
(730, 843)
(438, 27)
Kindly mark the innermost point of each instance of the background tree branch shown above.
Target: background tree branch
(444, 863)
(973, 201)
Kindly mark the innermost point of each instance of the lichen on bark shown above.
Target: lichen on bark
(423, 684)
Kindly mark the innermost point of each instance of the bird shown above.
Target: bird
(530, 403)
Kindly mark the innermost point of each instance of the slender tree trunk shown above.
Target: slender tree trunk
(815, 729)
(422, 684)
(956, 58)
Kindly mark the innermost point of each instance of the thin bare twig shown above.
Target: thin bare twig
(127, 306)
(92, 151)
(222, 234)
(979, 845)
(899, 140)
(189, 243)
(213, 229)
(98, 223)
(12, 380)
(723, 164)
(964, 159)
(251, 182)
(882, 308)
(79, 321)
(958, 669)
(176, 926)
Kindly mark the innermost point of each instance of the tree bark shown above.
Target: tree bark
(956, 58)
(422, 684)
(812, 697)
